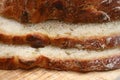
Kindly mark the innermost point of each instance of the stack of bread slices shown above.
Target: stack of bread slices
(85, 36)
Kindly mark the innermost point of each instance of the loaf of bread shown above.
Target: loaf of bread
(23, 56)
(85, 46)
(81, 36)
(86, 11)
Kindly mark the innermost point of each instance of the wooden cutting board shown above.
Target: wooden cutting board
(43, 74)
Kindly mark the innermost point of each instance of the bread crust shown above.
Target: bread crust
(37, 40)
(101, 64)
(86, 11)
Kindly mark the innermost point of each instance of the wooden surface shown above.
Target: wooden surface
(42, 74)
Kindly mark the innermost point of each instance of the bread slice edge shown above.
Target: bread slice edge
(82, 36)
(25, 57)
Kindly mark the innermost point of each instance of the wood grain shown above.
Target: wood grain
(43, 74)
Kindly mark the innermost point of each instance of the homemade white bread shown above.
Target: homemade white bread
(23, 56)
(58, 45)
(65, 35)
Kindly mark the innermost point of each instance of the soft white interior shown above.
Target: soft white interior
(55, 28)
(27, 52)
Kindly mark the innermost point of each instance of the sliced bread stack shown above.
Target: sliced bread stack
(56, 44)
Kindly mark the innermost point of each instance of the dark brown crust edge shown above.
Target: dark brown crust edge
(40, 40)
(66, 10)
(101, 64)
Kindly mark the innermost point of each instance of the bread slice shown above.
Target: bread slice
(65, 35)
(26, 57)
(67, 10)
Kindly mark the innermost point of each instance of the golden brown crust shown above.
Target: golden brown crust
(67, 10)
(36, 40)
(40, 40)
(100, 64)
